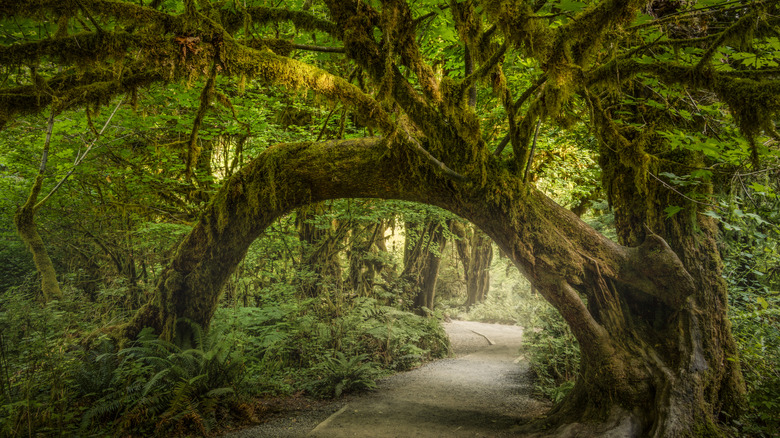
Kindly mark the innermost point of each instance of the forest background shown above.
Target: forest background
(335, 294)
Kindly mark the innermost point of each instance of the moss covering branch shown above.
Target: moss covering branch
(482, 71)
(755, 103)
(26, 228)
(71, 90)
(266, 65)
(301, 19)
(76, 49)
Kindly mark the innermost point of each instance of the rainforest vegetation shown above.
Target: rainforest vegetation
(208, 204)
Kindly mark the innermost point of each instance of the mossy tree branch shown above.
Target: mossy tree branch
(755, 103)
(301, 19)
(78, 49)
(482, 71)
(266, 65)
(70, 91)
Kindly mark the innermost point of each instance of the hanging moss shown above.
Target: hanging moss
(302, 20)
(524, 30)
(755, 104)
(79, 49)
(135, 14)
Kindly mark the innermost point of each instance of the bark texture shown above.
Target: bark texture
(365, 258)
(319, 250)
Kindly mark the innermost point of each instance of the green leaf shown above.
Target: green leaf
(763, 302)
(712, 214)
(672, 210)
(641, 19)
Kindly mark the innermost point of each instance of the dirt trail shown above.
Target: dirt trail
(482, 392)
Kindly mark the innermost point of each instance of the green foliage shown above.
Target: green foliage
(554, 354)
(286, 341)
(162, 387)
(38, 362)
(111, 228)
(751, 228)
(339, 374)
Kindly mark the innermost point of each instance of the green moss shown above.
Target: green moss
(754, 103)
(81, 49)
(266, 65)
(278, 46)
(301, 20)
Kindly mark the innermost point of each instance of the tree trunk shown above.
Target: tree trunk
(24, 219)
(653, 335)
(28, 232)
(364, 264)
(423, 247)
(476, 253)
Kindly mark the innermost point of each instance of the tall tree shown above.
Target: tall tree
(475, 251)
(649, 313)
(423, 247)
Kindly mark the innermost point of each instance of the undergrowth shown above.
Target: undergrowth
(51, 385)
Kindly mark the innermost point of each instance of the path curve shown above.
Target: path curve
(484, 391)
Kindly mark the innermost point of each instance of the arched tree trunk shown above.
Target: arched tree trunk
(653, 335)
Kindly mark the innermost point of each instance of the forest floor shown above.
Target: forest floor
(484, 391)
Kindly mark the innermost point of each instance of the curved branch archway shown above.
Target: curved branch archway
(591, 280)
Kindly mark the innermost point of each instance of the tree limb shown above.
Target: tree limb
(430, 158)
(80, 158)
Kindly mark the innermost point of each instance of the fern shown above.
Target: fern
(166, 382)
(341, 374)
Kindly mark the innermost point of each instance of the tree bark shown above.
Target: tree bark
(476, 253)
(28, 232)
(653, 335)
(423, 245)
(364, 264)
(428, 274)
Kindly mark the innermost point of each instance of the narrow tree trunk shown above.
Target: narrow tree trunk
(475, 251)
(422, 259)
(479, 268)
(363, 263)
(28, 232)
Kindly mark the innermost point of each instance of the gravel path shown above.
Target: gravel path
(482, 392)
